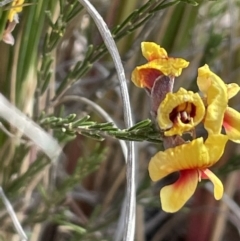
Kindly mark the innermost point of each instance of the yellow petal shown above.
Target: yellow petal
(217, 184)
(205, 79)
(145, 75)
(153, 51)
(11, 15)
(232, 90)
(174, 101)
(159, 64)
(216, 91)
(15, 8)
(170, 66)
(217, 103)
(174, 196)
(231, 123)
(215, 145)
(192, 155)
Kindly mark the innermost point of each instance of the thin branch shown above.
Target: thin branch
(129, 226)
(13, 216)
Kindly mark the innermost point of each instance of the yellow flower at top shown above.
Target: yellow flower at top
(192, 161)
(180, 112)
(158, 64)
(15, 8)
(218, 113)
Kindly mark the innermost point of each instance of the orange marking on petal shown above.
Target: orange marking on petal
(231, 123)
(174, 196)
(227, 123)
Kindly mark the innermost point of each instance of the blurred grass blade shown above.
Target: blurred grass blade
(12, 115)
(162, 6)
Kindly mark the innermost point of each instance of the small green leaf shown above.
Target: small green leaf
(80, 121)
(191, 2)
(162, 6)
(102, 125)
(71, 117)
(141, 124)
(93, 136)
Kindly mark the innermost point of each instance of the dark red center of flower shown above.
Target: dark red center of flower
(183, 112)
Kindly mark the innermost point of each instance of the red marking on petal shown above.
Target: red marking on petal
(149, 76)
(227, 122)
(184, 177)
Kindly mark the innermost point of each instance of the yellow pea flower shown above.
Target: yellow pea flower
(158, 64)
(180, 112)
(218, 112)
(15, 8)
(192, 161)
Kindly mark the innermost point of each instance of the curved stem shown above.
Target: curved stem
(129, 225)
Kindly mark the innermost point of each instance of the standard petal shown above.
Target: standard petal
(232, 89)
(217, 184)
(153, 51)
(192, 155)
(158, 64)
(170, 66)
(144, 76)
(231, 124)
(215, 145)
(174, 196)
(178, 64)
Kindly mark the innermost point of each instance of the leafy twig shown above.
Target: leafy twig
(99, 110)
(142, 131)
